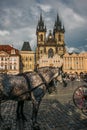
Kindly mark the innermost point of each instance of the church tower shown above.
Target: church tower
(41, 37)
(41, 31)
(58, 33)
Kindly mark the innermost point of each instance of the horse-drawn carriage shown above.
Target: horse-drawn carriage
(80, 98)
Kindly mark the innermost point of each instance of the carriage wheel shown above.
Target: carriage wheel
(80, 98)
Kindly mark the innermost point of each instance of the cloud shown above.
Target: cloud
(72, 49)
(80, 49)
(4, 33)
(19, 19)
(72, 19)
(44, 7)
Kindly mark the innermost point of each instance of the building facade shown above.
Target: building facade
(27, 60)
(9, 60)
(75, 62)
(52, 46)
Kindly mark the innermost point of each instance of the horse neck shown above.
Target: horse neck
(46, 74)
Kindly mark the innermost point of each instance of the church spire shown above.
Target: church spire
(63, 29)
(41, 17)
(57, 25)
(41, 27)
(58, 20)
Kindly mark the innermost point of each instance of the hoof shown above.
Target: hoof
(1, 119)
(24, 118)
(36, 126)
(21, 117)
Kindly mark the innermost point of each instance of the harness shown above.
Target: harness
(43, 79)
(31, 89)
(28, 82)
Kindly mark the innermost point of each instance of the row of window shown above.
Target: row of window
(59, 48)
(55, 61)
(75, 66)
(73, 58)
(27, 58)
(7, 58)
(41, 37)
(10, 67)
(28, 66)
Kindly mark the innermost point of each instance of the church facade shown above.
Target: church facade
(50, 49)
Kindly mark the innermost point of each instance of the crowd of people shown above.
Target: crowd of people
(75, 76)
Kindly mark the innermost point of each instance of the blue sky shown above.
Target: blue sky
(19, 18)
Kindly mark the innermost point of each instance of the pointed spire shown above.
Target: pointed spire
(57, 25)
(41, 17)
(57, 18)
(63, 28)
(40, 26)
(45, 28)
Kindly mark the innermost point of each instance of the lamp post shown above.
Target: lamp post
(77, 66)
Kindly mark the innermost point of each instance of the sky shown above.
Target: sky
(19, 19)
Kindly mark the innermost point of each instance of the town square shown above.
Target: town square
(43, 65)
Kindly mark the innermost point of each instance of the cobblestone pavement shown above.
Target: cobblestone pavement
(57, 112)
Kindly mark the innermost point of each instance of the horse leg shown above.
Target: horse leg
(20, 113)
(18, 110)
(0, 112)
(36, 105)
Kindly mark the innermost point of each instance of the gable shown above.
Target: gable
(3, 53)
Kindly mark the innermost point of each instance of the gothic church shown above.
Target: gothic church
(51, 48)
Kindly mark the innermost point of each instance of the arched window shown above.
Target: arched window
(30, 59)
(26, 58)
(59, 37)
(41, 37)
(50, 53)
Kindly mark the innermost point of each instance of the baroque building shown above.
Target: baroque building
(75, 62)
(9, 60)
(50, 48)
(27, 60)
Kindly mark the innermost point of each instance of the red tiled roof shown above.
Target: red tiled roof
(8, 48)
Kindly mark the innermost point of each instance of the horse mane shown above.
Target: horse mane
(35, 70)
(23, 73)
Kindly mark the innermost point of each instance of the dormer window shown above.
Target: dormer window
(13, 51)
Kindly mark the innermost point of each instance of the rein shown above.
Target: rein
(27, 80)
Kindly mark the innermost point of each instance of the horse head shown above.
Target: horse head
(50, 76)
(58, 76)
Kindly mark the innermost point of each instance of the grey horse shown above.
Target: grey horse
(28, 86)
